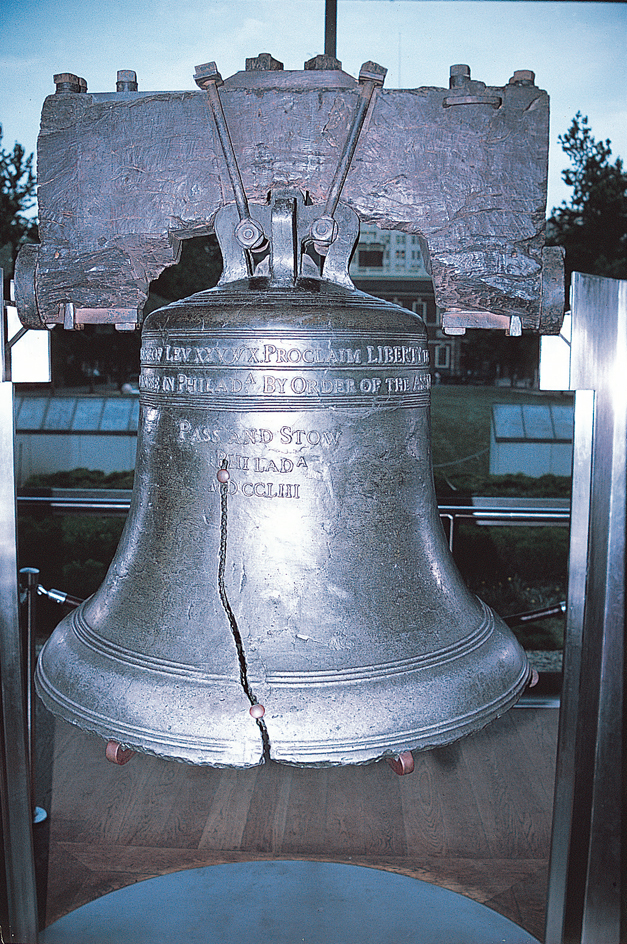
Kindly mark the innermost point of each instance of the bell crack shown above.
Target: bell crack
(256, 710)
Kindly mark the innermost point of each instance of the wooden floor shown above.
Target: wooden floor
(474, 817)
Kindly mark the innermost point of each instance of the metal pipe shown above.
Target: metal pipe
(29, 581)
(368, 83)
(330, 28)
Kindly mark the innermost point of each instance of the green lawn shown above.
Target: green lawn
(514, 569)
(460, 430)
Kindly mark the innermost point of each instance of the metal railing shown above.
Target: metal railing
(483, 511)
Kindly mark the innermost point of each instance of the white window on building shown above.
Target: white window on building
(442, 358)
(420, 307)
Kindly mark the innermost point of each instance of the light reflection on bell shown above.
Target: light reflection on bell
(356, 632)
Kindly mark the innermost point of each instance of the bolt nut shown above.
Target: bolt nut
(126, 81)
(372, 72)
(68, 82)
(523, 77)
(324, 63)
(459, 75)
(324, 230)
(249, 234)
(264, 62)
(207, 73)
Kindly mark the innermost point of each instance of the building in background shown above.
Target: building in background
(390, 265)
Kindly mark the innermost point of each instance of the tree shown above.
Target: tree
(17, 196)
(592, 227)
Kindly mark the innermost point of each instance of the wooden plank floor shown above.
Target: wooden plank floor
(474, 817)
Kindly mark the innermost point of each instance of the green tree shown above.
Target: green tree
(17, 196)
(592, 227)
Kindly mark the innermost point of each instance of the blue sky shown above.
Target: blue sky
(577, 50)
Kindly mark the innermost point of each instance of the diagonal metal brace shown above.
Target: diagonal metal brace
(248, 232)
(324, 229)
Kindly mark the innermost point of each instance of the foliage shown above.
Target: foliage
(79, 478)
(593, 226)
(17, 196)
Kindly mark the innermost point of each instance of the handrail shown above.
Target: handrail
(483, 510)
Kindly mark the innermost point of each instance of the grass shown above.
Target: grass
(460, 433)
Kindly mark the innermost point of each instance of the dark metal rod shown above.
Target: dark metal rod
(500, 513)
(29, 580)
(222, 128)
(534, 616)
(330, 28)
(344, 163)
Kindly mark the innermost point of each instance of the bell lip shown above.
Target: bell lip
(243, 747)
(449, 734)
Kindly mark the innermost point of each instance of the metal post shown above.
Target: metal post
(14, 775)
(584, 895)
(29, 583)
(330, 28)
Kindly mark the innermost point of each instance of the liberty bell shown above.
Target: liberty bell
(283, 588)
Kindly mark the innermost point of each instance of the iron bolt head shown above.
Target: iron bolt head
(249, 234)
(68, 82)
(205, 74)
(126, 81)
(459, 75)
(372, 72)
(264, 62)
(324, 230)
(323, 63)
(523, 77)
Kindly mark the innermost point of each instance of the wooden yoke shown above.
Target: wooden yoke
(125, 176)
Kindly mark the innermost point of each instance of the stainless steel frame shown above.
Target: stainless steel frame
(14, 757)
(584, 896)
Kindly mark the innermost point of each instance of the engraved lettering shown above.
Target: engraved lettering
(348, 356)
(397, 384)
(288, 491)
(273, 384)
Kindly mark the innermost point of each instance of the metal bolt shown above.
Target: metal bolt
(207, 73)
(249, 234)
(523, 77)
(322, 63)
(372, 72)
(264, 62)
(126, 81)
(460, 75)
(68, 82)
(324, 230)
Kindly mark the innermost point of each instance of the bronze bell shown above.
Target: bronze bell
(283, 547)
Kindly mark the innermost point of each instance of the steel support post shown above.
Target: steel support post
(17, 815)
(584, 895)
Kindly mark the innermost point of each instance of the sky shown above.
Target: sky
(577, 50)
